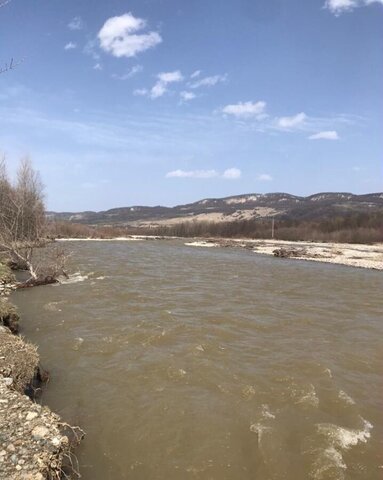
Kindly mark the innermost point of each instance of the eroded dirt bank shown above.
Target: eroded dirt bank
(34, 442)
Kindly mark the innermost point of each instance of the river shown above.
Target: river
(208, 363)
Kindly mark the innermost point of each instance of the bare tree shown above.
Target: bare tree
(22, 225)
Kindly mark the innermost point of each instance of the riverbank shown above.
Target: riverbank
(353, 255)
(34, 442)
(128, 238)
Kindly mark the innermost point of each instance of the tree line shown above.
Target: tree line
(23, 226)
(357, 227)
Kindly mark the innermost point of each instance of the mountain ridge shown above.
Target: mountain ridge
(234, 207)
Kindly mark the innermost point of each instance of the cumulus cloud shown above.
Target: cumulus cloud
(130, 73)
(229, 174)
(70, 46)
(232, 174)
(265, 177)
(97, 66)
(208, 81)
(76, 23)
(325, 135)
(340, 6)
(291, 122)
(120, 36)
(192, 174)
(246, 109)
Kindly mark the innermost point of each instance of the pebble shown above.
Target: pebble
(31, 415)
(8, 381)
(56, 441)
(39, 432)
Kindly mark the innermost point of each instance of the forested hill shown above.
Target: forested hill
(239, 207)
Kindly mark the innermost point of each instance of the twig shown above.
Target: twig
(11, 65)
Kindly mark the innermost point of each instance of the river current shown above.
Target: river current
(208, 363)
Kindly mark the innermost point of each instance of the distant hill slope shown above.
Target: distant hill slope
(254, 205)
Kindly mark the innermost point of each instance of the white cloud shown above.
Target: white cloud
(292, 122)
(229, 174)
(265, 177)
(170, 77)
(356, 169)
(164, 79)
(325, 135)
(119, 36)
(70, 46)
(208, 81)
(195, 74)
(192, 174)
(158, 90)
(186, 96)
(76, 23)
(232, 174)
(133, 71)
(340, 6)
(246, 109)
(97, 66)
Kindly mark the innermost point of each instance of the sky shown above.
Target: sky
(164, 102)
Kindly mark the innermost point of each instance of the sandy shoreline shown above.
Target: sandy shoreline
(129, 238)
(353, 255)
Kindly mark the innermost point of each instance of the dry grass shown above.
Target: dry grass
(18, 359)
(6, 275)
(8, 315)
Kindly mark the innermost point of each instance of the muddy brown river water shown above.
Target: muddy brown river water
(204, 363)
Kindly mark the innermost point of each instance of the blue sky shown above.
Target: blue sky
(152, 102)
